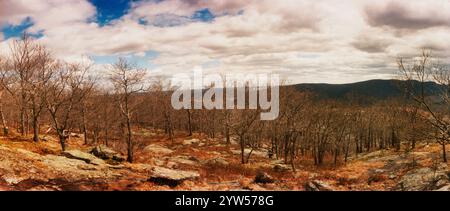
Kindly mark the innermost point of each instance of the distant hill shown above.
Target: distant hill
(373, 89)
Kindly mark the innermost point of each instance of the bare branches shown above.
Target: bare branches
(128, 81)
(68, 86)
(418, 72)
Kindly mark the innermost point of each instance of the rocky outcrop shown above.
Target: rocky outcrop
(185, 160)
(216, 162)
(317, 185)
(257, 153)
(264, 178)
(191, 141)
(106, 153)
(282, 168)
(86, 157)
(424, 179)
(157, 149)
(170, 177)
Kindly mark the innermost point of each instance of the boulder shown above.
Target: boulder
(157, 149)
(376, 175)
(106, 153)
(262, 177)
(445, 188)
(317, 185)
(76, 135)
(86, 157)
(423, 179)
(170, 177)
(282, 168)
(216, 162)
(261, 153)
(191, 141)
(186, 160)
(172, 165)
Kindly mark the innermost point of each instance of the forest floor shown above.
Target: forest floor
(194, 163)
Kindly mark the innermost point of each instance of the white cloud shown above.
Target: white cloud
(305, 41)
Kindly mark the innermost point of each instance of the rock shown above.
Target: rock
(376, 175)
(422, 179)
(157, 149)
(441, 182)
(172, 165)
(140, 167)
(282, 168)
(186, 160)
(86, 157)
(170, 177)
(445, 188)
(106, 153)
(392, 176)
(263, 178)
(257, 153)
(76, 135)
(13, 180)
(317, 185)
(216, 162)
(190, 142)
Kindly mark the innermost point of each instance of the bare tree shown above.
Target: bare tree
(128, 81)
(24, 57)
(69, 85)
(4, 82)
(418, 73)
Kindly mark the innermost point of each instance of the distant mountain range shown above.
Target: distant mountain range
(373, 89)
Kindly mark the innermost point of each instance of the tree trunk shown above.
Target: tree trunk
(444, 153)
(241, 141)
(2, 116)
(22, 121)
(35, 128)
(83, 116)
(189, 122)
(129, 142)
(62, 141)
(106, 137)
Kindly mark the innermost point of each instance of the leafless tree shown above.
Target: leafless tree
(419, 72)
(4, 82)
(128, 81)
(68, 86)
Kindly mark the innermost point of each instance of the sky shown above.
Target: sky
(321, 41)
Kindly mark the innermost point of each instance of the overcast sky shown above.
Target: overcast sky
(332, 41)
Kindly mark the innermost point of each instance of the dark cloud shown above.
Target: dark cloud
(371, 45)
(399, 16)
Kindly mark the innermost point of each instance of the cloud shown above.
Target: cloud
(371, 44)
(412, 15)
(305, 41)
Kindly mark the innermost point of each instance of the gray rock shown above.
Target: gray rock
(257, 153)
(191, 141)
(317, 185)
(422, 179)
(157, 149)
(86, 157)
(186, 160)
(263, 178)
(445, 188)
(106, 153)
(282, 168)
(216, 162)
(375, 175)
(170, 177)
